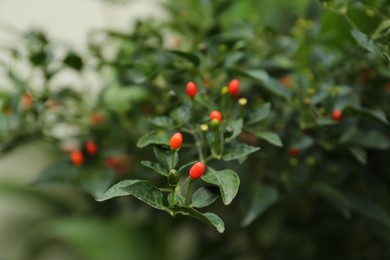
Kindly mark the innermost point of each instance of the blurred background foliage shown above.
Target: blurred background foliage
(322, 195)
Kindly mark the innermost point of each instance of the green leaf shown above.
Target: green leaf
(97, 180)
(185, 166)
(155, 167)
(364, 112)
(238, 151)
(227, 181)
(182, 115)
(236, 125)
(369, 139)
(270, 84)
(74, 61)
(58, 172)
(260, 199)
(365, 41)
(359, 153)
(161, 121)
(334, 197)
(194, 59)
(154, 137)
(203, 198)
(382, 33)
(208, 218)
(140, 189)
(259, 114)
(122, 99)
(164, 156)
(369, 209)
(270, 137)
(179, 199)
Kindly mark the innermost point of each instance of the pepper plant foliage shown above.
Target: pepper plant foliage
(314, 94)
(209, 137)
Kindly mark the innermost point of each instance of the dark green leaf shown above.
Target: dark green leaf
(370, 209)
(161, 121)
(369, 139)
(97, 180)
(227, 181)
(238, 151)
(60, 171)
(359, 153)
(203, 197)
(178, 200)
(270, 84)
(194, 59)
(261, 198)
(165, 157)
(185, 166)
(182, 115)
(74, 61)
(258, 114)
(334, 197)
(154, 137)
(365, 41)
(155, 167)
(364, 112)
(236, 125)
(140, 189)
(209, 218)
(270, 137)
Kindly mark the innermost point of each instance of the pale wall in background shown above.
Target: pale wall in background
(70, 20)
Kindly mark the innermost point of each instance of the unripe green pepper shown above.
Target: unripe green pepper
(228, 132)
(173, 178)
(172, 96)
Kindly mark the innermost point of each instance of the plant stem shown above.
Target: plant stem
(198, 144)
(173, 158)
(216, 140)
(188, 190)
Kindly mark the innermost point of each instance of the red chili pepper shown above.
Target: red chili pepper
(76, 157)
(96, 118)
(197, 170)
(294, 151)
(27, 100)
(234, 86)
(216, 115)
(176, 141)
(337, 115)
(90, 147)
(191, 89)
(111, 162)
